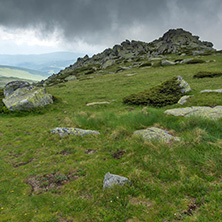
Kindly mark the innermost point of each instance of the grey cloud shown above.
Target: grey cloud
(95, 20)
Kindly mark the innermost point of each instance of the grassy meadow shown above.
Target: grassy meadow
(44, 177)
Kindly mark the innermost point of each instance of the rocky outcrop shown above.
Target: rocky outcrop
(112, 179)
(23, 96)
(176, 41)
(201, 111)
(154, 133)
(63, 131)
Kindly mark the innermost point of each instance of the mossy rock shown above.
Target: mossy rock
(204, 74)
(167, 93)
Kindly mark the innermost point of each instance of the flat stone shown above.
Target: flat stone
(154, 133)
(112, 179)
(183, 100)
(62, 131)
(97, 103)
(167, 63)
(211, 90)
(201, 111)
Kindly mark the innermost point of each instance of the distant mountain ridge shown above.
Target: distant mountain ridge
(47, 64)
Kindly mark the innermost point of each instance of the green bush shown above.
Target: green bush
(204, 74)
(195, 61)
(167, 93)
(3, 108)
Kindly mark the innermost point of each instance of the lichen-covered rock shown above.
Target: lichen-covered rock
(183, 100)
(167, 93)
(107, 63)
(201, 111)
(71, 77)
(62, 131)
(154, 133)
(211, 90)
(26, 98)
(112, 179)
(14, 85)
(185, 87)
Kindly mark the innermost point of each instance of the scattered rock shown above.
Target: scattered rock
(112, 179)
(167, 63)
(71, 77)
(201, 111)
(107, 63)
(183, 100)
(23, 96)
(154, 133)
(97, 103)
(62, 131)
(90, 151)
(131, 74)
(211, 90)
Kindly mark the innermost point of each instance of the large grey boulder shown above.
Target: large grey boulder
(112, 179)
(23, 96)
(14, 85)
(201, 111)
(154, 133)
(62, 131)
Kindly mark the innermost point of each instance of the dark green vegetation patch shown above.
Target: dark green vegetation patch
(204, 74)
(195, 61)
(167, 93)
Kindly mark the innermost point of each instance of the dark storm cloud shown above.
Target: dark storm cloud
(93, 20)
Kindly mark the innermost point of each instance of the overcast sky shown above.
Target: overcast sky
(90, 26)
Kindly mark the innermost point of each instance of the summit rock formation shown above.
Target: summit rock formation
(175, 41)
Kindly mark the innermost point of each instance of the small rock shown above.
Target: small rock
(112, 179)
(71, 77)
(131, 74)
(62, 131)
(167, 63)
(97, 103)
(154, 133)
(183, 100)
(185, 87)
(211, 90)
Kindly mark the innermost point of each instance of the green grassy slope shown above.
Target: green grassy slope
(11, 71)
(170, 182)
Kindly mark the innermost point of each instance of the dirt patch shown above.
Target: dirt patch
(191, 208)
(23, 163)
(53, 181)
(118, 154)
(141, 202)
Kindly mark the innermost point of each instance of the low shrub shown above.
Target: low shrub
(195, 61)
(204, 74)
(167, 93)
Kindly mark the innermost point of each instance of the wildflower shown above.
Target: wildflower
(2, 208)
(25, 214)
(12, 191)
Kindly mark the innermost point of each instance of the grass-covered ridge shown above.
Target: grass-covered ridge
(45, 177)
